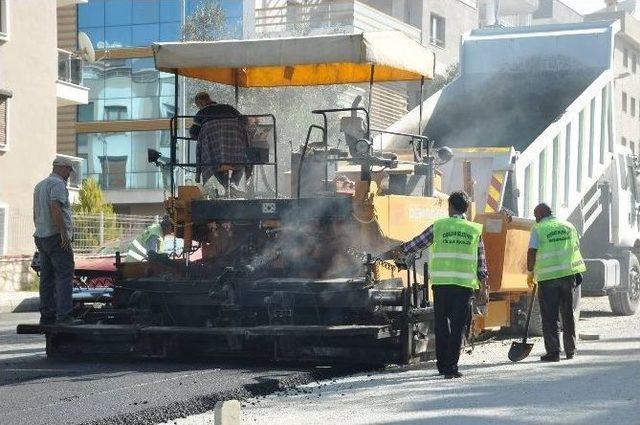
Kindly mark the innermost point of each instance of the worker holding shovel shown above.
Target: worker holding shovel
(555, 260)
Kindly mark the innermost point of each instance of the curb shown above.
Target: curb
(19, 302)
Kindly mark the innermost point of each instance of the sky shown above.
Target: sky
(585, 6)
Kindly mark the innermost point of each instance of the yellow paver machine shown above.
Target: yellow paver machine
(293, 277)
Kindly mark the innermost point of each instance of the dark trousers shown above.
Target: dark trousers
(451, 307)
(56, 278)
(556, 297)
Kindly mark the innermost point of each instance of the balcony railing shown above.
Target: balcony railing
(328, 16)
(128, 180)
(69, 68)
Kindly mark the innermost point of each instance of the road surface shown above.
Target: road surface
(600, 386)
(35, 390)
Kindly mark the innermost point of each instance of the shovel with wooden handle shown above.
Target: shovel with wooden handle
(521, 350)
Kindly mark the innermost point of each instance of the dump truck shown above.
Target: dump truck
(532, 116)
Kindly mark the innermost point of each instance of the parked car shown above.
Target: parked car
(95, 272)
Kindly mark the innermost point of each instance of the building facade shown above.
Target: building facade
(626, 58)
(36, 78)
(514, 13)
(130, 102)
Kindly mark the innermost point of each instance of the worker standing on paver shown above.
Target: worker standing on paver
(457, 268)
(53, 236)
(554, 259)
(151, 240)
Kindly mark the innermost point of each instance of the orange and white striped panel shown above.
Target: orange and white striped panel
(494, 192)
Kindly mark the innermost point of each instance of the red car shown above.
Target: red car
(95, 273)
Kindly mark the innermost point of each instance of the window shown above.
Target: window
(624, 102)
(136, 23)
(4, 121)
(634, 63)
(125, 89)
(119, 160)
(625, 57)
(437, 30)
(4, 20)
(633, 106)
(115, 113)
(3, 228)
(623, 141)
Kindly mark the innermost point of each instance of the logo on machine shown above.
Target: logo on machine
(268, 208)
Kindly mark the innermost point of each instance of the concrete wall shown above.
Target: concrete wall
(460, 18)
(28, 68)
(627, 83)
(553, 12)
(16, 274)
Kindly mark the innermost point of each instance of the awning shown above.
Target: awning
(299, 61)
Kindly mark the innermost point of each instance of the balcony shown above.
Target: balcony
(344, 16)
(69, 89)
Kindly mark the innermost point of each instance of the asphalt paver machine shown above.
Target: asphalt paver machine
(284, 277)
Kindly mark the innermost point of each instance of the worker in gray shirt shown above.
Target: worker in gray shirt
(53, 235)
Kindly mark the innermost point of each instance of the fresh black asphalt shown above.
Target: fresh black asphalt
(35, 390)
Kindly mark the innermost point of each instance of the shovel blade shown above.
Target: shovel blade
(519, 351)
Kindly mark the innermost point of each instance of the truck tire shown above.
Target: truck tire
(625, 302)
(535, 324)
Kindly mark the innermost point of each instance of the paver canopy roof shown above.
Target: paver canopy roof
(299, 61)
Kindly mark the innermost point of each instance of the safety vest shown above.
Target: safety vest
(558, 253)
(138, 247)
(453, 257)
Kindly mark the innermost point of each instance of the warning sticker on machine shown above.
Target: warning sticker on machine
(268, 207)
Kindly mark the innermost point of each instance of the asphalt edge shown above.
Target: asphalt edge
(206, 403)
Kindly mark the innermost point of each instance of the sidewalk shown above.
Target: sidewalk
(19, 302)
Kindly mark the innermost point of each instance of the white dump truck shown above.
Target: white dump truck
(533, 113)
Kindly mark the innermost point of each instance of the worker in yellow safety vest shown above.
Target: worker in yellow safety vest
(152, 239)
(457, 268)
(556, 263)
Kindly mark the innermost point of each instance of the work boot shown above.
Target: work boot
(69, 321)
(550, 357)
(453, 375)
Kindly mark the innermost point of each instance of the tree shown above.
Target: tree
(94, 218)
(91, 199)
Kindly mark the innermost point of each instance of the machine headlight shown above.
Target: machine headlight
(362, 147)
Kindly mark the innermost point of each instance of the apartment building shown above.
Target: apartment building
(35, 80)
(626, 57)
(130, 102)
(514, 13)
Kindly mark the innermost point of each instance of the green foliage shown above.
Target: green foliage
(94, 218)
(91, 199)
